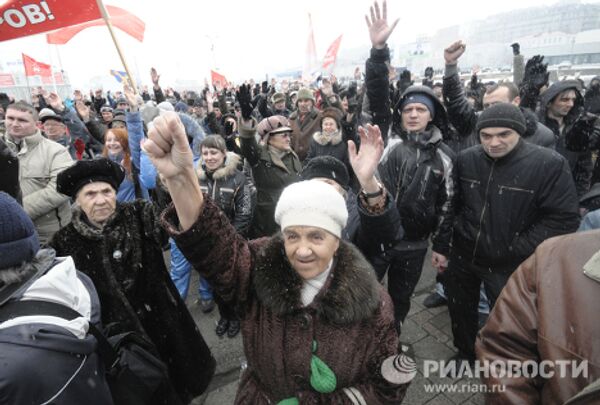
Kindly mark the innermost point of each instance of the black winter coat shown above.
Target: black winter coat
(419, 177)
(336, 146)
(9, 167)
(580, 161)
(232, 191)
(125, 262)
(506, 207)
(464, 118)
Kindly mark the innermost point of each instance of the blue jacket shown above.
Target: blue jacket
(135, 130)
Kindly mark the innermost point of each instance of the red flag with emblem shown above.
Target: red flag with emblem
(35, 68)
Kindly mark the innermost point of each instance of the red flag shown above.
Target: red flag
(331, 54)
(35, 68)
(218, 78)
(120, 18)
(20, 18)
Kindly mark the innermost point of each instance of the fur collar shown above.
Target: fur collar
(229, 168)
(351, 293)
(324, 139)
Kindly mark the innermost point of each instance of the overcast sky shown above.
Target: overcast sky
(250, 38)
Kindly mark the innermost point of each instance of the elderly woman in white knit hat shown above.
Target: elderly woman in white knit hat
(317, 327)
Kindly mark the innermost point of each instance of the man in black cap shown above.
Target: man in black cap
(511, 195)
(45, 359)
(118, 245)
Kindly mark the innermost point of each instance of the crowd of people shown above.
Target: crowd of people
(308, 210)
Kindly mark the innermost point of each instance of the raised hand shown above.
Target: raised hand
(365, 162)
(244, 97)
(83, 110)
(168, 147)
(155, 77)
(454, 52)
(130, 96)
(54, 101)
(516, 48)
(536, 72)
(379, 30)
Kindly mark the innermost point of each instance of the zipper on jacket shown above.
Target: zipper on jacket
(515, 189)
(424, 185)
(487, 189)
(214, 190)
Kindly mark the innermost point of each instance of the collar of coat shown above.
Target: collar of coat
(323, 138)
(351, 293)
(227, 170)
(27, 143)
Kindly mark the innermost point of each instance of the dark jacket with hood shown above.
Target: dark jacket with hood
(580, 161)
(271, 174)
(417, 168)
(506, 207)
(125, 261)
(351, 318)
(42, 361)
(463, 117)
(232, 191)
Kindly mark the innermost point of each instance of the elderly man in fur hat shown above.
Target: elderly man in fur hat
(118, 245)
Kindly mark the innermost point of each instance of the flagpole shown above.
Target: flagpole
(106, 19)
(27, 80)
(52, 73)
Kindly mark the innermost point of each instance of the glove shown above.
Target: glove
(516, 48)
(474, 83)
(262, 106)
(228, 128)
(536, 72)
(404, 81)
(244, 97)
(429, 72)
(578, 138)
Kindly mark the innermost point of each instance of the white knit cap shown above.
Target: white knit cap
(312, 203)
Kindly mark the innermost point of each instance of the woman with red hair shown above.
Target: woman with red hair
(116, 148)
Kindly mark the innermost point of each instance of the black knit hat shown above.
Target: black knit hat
(18, 239)
(71, 180)
(502, 115)
(328, 167)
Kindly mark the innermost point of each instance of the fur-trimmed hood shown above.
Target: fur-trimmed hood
(351, 293)
(232, 161)
(325, 139)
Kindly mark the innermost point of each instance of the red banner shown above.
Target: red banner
(331, 54)
(20, 18)
(35, 68)
(218, 78)
(6, 79)
(119, 18)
